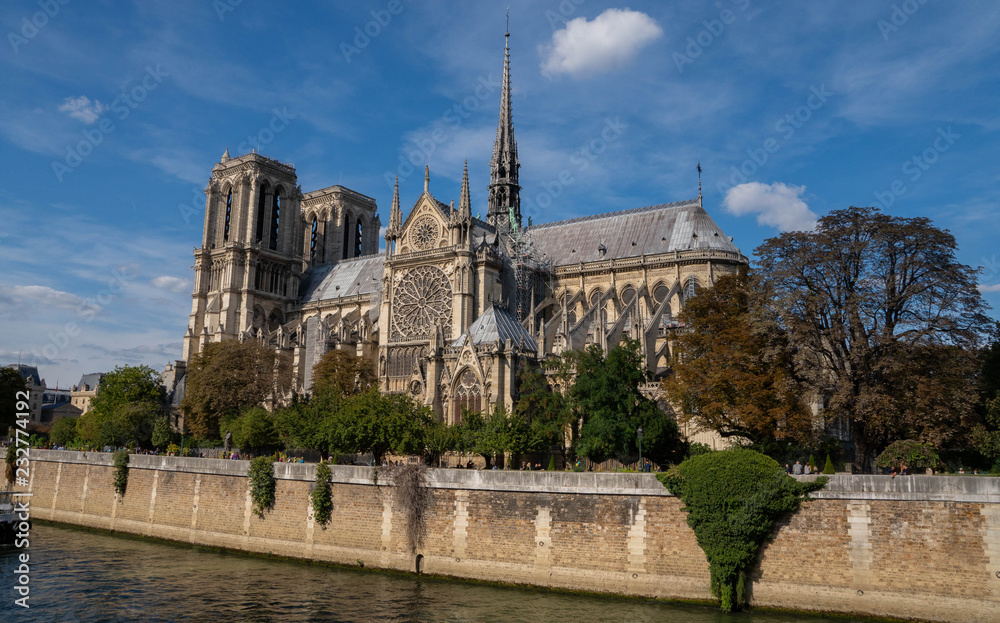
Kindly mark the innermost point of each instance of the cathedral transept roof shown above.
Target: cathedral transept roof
(663, 228)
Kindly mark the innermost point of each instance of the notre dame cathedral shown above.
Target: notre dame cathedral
(454, 305)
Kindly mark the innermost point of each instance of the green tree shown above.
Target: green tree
(254, 431)
(163, 435)
(343, 372)
(733, 369)
(227, 378)
(439, 438)
(913, 454)
(496, 434)
(125, 409)
(372, 423)
(11, 383)
(606, 394)
(547, 412)
(63, 431)
(878, 307)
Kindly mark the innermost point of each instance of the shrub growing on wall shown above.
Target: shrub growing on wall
(10, 460)
(121, 472)
(733, 499)
(322, 498)
(261, 477)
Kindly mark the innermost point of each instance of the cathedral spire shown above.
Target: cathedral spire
(505, 199)
(395, 215)
(427, 178)
(465, 200)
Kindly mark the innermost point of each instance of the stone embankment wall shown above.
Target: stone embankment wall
(920, 547)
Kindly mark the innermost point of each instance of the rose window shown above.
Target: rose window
(425, 233)
(421, 301)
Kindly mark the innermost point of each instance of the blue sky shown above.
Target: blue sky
(113, 113)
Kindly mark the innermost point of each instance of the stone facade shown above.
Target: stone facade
(923, 547)
(455, 305)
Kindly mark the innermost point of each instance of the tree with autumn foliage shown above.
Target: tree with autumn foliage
(229, 377)
(733, 369)
(886, 322)
(344, 373)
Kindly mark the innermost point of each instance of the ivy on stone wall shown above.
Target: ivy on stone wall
(121, 472)
(733, 499)
(410, 496)
(261, 477)
(11, 460)
(322, 497)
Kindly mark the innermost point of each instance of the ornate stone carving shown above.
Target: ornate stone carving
(424, 233)
(422, 301)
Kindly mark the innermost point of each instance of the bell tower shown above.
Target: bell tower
(248, 268)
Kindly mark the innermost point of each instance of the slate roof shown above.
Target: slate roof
(90, 382)
(360, 275)
(498, 323)
(27, 372)
(668, 227)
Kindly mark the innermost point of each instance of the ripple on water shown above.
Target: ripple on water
(83, 576)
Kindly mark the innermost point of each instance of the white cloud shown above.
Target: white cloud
(28, 300)
(989, 288)
(174, 284)
(612, 39)
(778, 205)
(83, 109)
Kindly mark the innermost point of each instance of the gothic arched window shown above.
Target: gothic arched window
(357, 239)
(691, 288)
(347, 233)
(261, 208)
(312, 239)
(468, 395)
(229, 214)
(275, 214)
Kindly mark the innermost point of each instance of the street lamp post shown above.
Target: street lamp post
(638, 434)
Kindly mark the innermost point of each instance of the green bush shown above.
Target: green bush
(121, 472)
(552, 464)
(914, 454)
(261, 476)
(322, 498)
(733, 498)
(828, 468)
(697, 449)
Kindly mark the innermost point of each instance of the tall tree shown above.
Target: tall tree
(377, 424)
(547, 412)
(874, 304)
(125, 409)
(606, 395)
(229, 377)
(343, 372)
(733, 368)
(11, 382)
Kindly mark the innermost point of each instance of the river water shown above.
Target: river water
(79, 575)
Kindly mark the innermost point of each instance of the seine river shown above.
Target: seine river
(77, 575)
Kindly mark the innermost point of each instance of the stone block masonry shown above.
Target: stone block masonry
(917, 547)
